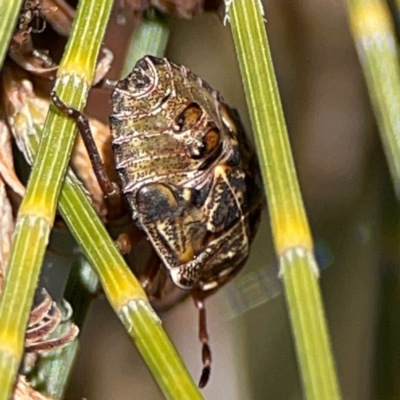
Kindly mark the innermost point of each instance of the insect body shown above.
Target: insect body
(189, 176)
(186, 170)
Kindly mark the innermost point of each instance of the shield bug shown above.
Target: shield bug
(189, 176)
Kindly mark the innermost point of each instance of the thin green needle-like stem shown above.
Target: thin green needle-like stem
(9, 11)
(291, 233)
(37, 211)
(378, 51)
(150, 38)
(374, 33)
(126, 296)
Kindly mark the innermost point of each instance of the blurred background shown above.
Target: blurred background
(350, 205)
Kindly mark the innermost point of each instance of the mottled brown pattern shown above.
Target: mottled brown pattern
(190, 178)
(176, 8)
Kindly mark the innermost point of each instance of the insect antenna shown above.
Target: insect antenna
(203, 337)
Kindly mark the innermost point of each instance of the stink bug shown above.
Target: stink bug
(189, 176)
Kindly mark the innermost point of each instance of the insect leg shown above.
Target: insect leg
(203, 336)
(109, 188)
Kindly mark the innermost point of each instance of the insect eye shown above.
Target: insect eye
(188, 117)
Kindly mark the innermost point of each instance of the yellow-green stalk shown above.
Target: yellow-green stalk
(373, 31)
(8, 20)
(291, 233)
(38, 208)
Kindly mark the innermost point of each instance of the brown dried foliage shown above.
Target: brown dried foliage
(176, 8)
(24, 391)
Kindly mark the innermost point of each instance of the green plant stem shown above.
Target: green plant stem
(8, 19)
(377, 49)
(82, 287)
(126, 296)
(150, 38)
(37, 211)
(309, 326)
(291, 233)
(374, 34)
